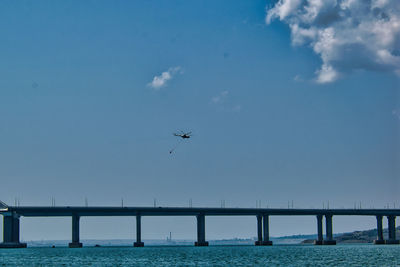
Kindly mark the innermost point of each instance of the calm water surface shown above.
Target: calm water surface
(295, 255)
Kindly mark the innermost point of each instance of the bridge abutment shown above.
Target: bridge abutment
(11, 231)
(75, 233)
(201, 231)
(138, 242)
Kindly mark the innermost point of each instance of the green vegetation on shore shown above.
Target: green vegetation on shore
(367, 236)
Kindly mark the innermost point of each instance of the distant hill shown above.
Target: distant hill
(367, 236)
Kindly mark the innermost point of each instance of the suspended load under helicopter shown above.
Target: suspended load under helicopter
(183, 136)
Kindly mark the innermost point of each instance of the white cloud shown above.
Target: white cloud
(326, 74)
(346, 34)
(396, 113)
(163, 78)
(297, 78)
(221, 100)
(220, 97)
(282, 9)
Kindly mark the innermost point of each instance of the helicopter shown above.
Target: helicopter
(183, 135)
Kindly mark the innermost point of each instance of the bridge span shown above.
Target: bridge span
(11, 218)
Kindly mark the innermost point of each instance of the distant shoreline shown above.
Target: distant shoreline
(356, 237)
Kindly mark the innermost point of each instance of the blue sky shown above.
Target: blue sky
(79, 117)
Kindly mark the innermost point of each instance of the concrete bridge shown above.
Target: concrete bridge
(11, 217)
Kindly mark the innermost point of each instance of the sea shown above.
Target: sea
(277, 255)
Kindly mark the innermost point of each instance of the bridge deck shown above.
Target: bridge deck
(42, 211)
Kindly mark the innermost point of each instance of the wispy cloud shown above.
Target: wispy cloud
(396, 113)
(347, 34)
(222, 102)
(162, 79)
(237, 108)
(298, 78)
(220, 97)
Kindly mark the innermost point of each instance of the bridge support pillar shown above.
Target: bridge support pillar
(138, 242)
(259, 231)
(75, 233)
(379, 238)
(392, 230)
(320, 237)
(329, 233)
(266, 241)
(11, 231)
(201, 231)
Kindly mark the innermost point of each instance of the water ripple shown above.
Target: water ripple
(301, 255)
